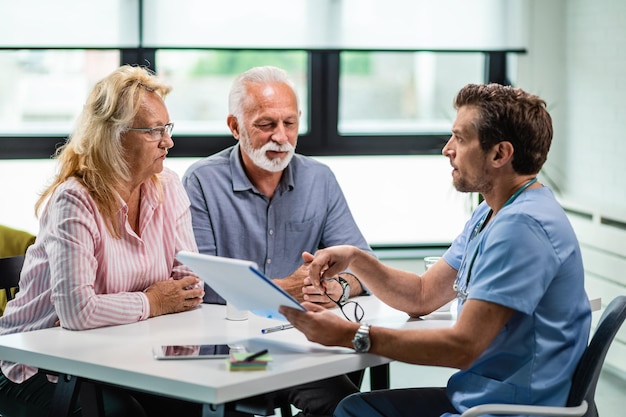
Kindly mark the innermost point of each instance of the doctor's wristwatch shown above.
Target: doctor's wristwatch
(361, 341)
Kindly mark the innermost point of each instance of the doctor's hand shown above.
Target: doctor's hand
(328, 263)
(316, 295)
(174, 296)
(299, 286)
(321, 325)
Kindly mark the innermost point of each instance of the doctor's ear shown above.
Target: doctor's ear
(503, 152)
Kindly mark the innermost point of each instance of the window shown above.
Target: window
(353, 102)
(371, 80)
(202, 80)
(43, 91)
(402, 92)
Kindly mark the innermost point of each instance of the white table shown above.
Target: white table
(122, 355)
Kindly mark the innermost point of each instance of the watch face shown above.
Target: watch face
(361, 341)
(360, 344)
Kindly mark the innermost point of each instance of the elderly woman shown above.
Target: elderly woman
(111, 222)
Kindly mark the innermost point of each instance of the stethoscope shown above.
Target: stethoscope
(462, 293)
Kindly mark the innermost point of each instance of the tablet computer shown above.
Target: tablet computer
(201, 351)
(239, 282)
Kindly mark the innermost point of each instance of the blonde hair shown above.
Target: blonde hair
(93, 153)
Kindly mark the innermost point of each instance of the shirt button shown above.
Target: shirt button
(269, 261)
(271, 232)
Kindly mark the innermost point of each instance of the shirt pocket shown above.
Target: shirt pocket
(302, 236)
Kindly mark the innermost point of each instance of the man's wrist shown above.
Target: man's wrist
(345, 289)
(356, 288)
(361, 341)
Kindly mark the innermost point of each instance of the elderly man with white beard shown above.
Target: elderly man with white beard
(260, 201)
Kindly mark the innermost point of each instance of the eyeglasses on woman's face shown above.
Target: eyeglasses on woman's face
(155, 134)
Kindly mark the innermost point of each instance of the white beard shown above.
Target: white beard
(259, 157)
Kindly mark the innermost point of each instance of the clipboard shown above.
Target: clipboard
(240, 283)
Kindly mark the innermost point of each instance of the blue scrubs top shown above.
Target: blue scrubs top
(526, 258)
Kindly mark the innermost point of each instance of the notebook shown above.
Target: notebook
(240, 283)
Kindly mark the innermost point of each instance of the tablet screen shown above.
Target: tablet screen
(194, 351)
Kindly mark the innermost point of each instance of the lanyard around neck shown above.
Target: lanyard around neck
(479, 227)
(519, 191)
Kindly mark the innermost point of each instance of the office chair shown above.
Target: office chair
(262, 405)
(10, 268)
(580, 402)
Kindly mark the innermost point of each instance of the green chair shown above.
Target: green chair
(14, 241)
(13, 245)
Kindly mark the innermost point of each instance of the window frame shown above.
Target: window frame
(323, 137)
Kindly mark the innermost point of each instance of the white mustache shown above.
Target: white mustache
(286, 147)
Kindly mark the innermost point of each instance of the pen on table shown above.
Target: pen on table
(255, 355)
(277, 328)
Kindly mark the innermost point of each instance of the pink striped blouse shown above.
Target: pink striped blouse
(76, 272)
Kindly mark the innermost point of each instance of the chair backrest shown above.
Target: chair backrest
(588, 369)
(10, 269)
(14, 241)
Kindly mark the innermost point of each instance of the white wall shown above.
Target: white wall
(577, 62)
(595, 92)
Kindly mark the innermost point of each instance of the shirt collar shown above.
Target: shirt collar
(149, 194)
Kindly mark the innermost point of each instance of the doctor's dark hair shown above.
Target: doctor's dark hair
(513, 115)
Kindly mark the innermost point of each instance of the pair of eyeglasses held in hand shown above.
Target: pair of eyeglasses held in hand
(357, 313)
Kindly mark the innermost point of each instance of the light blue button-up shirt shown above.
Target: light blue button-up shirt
(232, 218)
